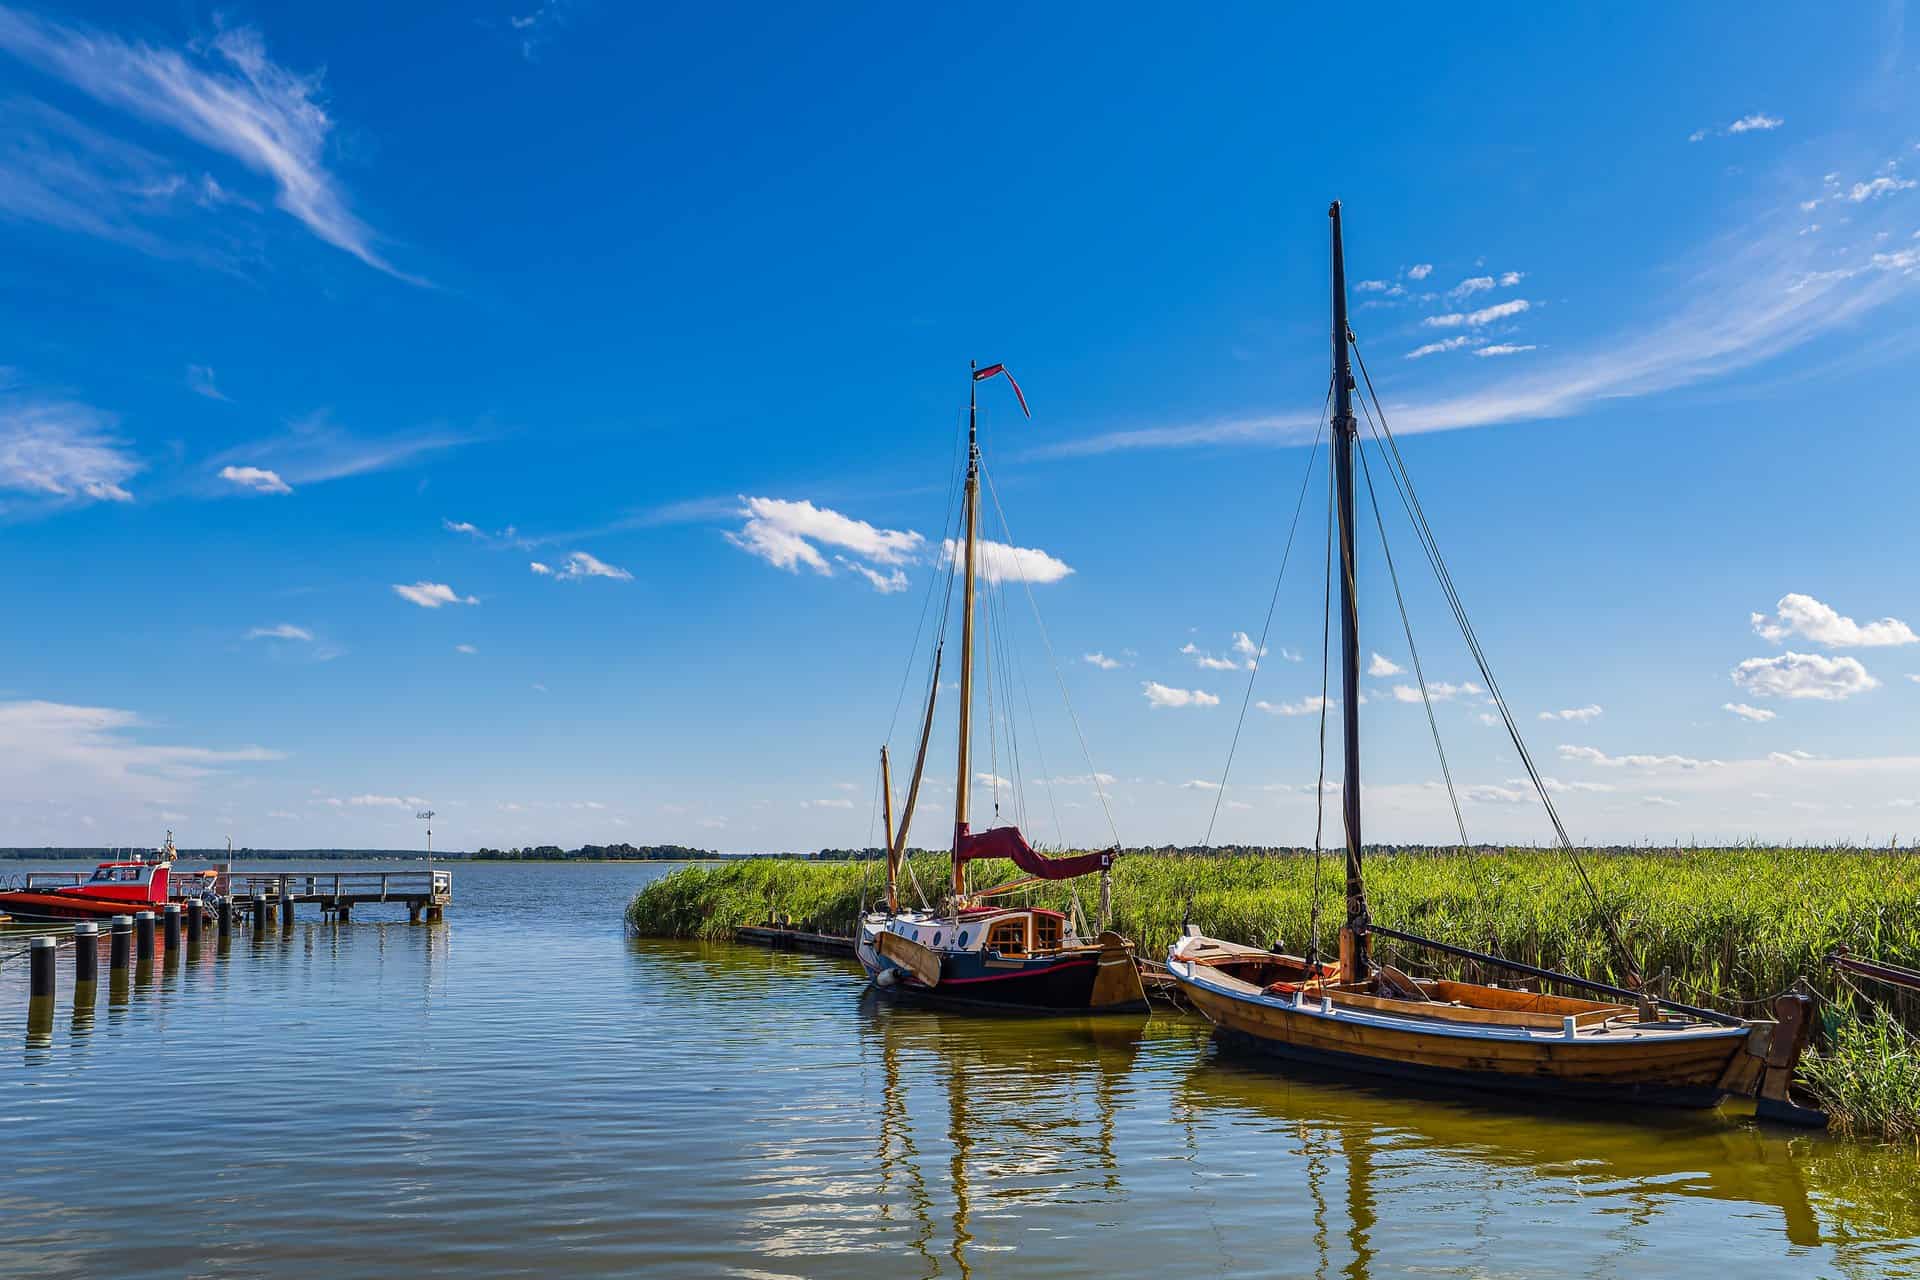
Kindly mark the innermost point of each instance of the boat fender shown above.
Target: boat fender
(886, 977)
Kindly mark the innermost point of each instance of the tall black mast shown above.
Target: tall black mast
(1345, 435)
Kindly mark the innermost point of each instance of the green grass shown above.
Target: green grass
(1731, 925)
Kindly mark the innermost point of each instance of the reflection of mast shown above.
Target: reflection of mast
(1359, 1158)
(896, 1123)
(960, 1135)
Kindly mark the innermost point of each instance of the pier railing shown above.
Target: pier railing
(342, 886)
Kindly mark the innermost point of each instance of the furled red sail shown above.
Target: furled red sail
(1007, 842)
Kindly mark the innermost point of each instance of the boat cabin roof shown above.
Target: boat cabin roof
(123, 872)
(981, 913)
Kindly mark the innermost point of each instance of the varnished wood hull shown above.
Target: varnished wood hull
(1681, 1069)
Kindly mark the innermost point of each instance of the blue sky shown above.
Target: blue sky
(545, 413)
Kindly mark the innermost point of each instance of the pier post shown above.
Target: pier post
(143, 938)
(196, 921)
(413, 911)
(40, 969)
(286, 904)
(172, 929)
(259, 913)
(86, 958)
(226, 916)
(120, 953)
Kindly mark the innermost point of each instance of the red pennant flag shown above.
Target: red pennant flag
(1000, 370)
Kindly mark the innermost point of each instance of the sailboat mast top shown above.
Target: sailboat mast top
(1345, 436)
(964, 774)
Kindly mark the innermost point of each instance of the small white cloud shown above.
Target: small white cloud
(257, 479)
(1758, 120)
(885, 583)
(1474, 319)
(461, 526)
(544, 570)
(200, 382)
(465, 648)
(1510, 278)
(784, 532)
(1438, 691)
(1592, 755)
(1660, 802)
(1589, 712)
(378, 802)
(1207, 662)
(1101, 661)
(1307, 706)
(1445, 344)
(1759, 715)
(1804, 675)
(1291, 655)
(579, 564)
(1505, 349)
(1420, 271)
(832, 802)
(1802, 615)
(1244, 646)
(999, 562)
(1380, 667)
(283, 631)
(431, 595)
(1470, 286)
(1160, 695)
(1199, 784)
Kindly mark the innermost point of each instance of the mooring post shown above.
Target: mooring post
(172, 930)
(259, 912)
(226, 916)
(120, 953)
(40, 969)
(286, 904)
(413, 911)
(196, 920)
(143, 938)
(86, 958)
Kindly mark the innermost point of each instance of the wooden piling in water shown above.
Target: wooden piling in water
(171, 931)
(143, 938)
(286, 906)
(40, 969)
(196, 921)
(226, 916)
(86, 955)
(259, 913)
(120, 953)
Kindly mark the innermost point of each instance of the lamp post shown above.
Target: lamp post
(426, 816)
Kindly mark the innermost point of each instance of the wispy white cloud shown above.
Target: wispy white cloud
(1504, 349)
(1437, 691)
(1308, 706)
(1470, 286)
(1592, 755)
(788, 534)
(314, 450)
(1159, 695)
(579, 564)
(200, 382)
(431, 595)
(1804, 675)
(1591, 711)
(223, 93)
(255, 479)
(541, 567)
(1474, 319)
(84, 755)
(885, 583)
(1802, 615)
(1101, 661)
(1445, 344)
(1419, 271)
(1759, 715)
(281, 631)
(467, 649)
(60, 451)
(1379, 666)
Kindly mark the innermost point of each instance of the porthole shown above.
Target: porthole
(936, 939)
(963, 937)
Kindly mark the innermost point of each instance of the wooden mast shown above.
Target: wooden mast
(886, 804)
(965, 775)
(1354, 961)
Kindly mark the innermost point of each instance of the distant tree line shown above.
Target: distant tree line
(596, 853)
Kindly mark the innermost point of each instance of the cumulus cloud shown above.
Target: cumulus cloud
(1438, 691)
(1804, 675)
(255, 479)
(431, 595)
(1101, 661)
(1380, 666)
(788, 534)
(1419, 271)
(999, 562)
(1160, 695)
(579, 564)
(1591, 711)
(1759, 715)
(1802, 615)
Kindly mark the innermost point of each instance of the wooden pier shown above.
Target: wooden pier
(337, 893)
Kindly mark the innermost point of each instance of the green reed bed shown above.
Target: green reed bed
(1729, 925)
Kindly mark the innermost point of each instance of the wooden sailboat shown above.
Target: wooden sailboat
(965, 950)
(1362, 1016)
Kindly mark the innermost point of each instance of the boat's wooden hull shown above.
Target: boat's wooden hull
(1682, 1070)
(1079, 980)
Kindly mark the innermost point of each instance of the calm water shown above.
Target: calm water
(521, 1090)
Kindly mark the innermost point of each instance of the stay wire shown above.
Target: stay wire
(1260, 650)
(1320, 779)
(1425, 531)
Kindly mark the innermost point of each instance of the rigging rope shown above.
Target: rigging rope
(1430, 544)
(1260, 650)
(1320, 780)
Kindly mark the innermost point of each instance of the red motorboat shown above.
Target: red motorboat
(114, 889)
